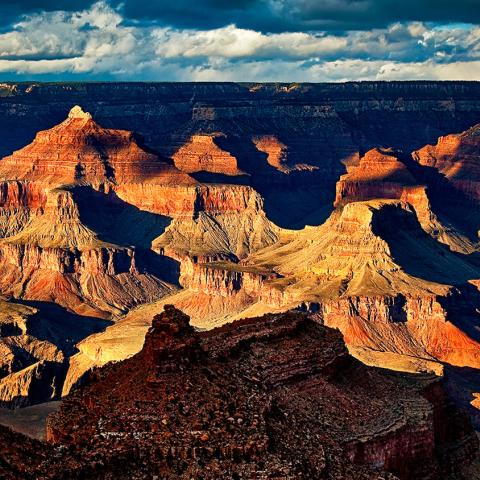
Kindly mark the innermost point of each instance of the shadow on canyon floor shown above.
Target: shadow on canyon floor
(462, 384)
(446, 200)
(161, 266)
(418, 253)
(61, 327)
(30, 421)
(292, 199)
(117, 221)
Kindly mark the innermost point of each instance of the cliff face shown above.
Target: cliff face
(318, 126)
(97, 224)
(34, 345)
(202, 153)
(234, 200)
(455, 157)
(83, 153)
(379, 174)
(359, 272)
(261, 397)
(404, 114)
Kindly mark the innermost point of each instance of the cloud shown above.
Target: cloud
(300, 15)
(99, 42)
(232, 42)
(335, 71)
(267, 15)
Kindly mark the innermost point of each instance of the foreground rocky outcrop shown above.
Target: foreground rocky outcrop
(271, 397)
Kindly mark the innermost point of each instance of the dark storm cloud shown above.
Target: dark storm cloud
(267, 15)
(300, 15)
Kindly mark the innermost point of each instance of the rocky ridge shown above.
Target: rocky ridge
(220, 404)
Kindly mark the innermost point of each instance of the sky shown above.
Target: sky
(239, 40)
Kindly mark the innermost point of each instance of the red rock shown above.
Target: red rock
(456, 157)
(80, 151)
(307, 408)
(202, 153)
(379, 174)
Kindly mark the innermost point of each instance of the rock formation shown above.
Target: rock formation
(202, 153)
(388, 268)
(276, 396)
(379, 174)
(103, 223)
(80, 151)
(81, 208)
(456, 157)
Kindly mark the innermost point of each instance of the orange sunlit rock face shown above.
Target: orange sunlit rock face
(94, 224)
(379, 174)
(80, 151)
(99, 231)
(202, 153)
(276, 151)
(456, 157)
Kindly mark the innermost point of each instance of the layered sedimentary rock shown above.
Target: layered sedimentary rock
(271, 396)
(202, 153)
(399, 114)
(80, 151)
(359, 272)
(81, 208)
(379, 174)
(31, 369)
(19, 202)
(321, 125)
(384, 173)
(35, 343)
(276, 151)
(53, 254)
(280, 156)
(362, 272)
(64, 244)
(456, 157)
(95, 221)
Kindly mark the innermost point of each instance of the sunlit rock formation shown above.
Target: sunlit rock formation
(104, 223)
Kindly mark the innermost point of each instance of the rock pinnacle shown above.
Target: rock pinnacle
(77, 112)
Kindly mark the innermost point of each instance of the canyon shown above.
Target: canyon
(354, 205)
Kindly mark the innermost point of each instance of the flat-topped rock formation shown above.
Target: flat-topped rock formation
(379, 174)
(202, 153)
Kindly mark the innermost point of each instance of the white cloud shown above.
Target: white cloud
(233, 42)
(97, 42)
